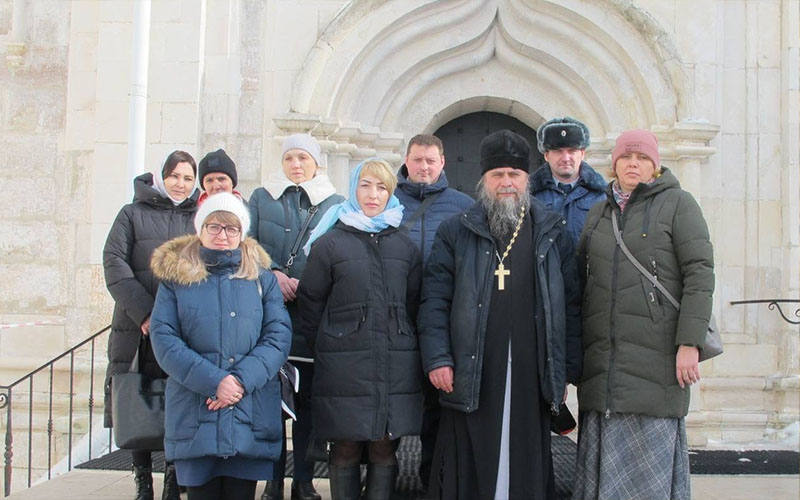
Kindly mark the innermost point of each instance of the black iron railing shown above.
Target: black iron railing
(774, 304)
(7, 403)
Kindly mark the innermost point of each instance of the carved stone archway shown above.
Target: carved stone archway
(383, 71)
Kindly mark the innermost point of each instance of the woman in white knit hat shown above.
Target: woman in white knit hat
(221, 332)
(284, 212)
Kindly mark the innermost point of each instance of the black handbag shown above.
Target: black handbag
(137, 408)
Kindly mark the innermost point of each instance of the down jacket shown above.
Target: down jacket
(457, 288)
(449, 203)
(358, 301)
(574, 207)
(205, 326)
(276, 225)
(140, 227)
(631, 333)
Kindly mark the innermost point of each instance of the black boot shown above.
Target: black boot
(304, 490)
(345, 482)
(273, 490)
(171, 489)
(143, 477)
(380, 481)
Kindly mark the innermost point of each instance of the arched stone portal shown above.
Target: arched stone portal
(384, 71)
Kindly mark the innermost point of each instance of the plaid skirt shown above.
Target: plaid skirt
(627, 457)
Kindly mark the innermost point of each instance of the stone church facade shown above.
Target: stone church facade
(718, 81)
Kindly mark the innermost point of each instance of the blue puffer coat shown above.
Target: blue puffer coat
(573, 207)
(449, 203)
(206, 325)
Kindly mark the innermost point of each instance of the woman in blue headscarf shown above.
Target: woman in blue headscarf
(358, 302)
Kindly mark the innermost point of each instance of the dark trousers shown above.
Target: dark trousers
(224, 488)
(430, 428)
(301, 430)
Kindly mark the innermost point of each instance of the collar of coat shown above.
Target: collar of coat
(144, 192)
(419, 190)
(318, 188)
(543, 219)
(588, 177)
(169, 264)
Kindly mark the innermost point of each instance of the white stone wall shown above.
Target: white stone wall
(717, 80)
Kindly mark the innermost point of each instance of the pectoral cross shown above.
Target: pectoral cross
(501, 274)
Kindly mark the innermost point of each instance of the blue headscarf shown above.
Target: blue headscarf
(350, 213)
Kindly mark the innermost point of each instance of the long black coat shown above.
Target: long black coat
(455, 301)
(358, 303)
(140, 228)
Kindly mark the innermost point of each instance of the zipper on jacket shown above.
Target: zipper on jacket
(612, 312)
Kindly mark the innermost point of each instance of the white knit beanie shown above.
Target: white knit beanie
(224, 202)
(305, 142)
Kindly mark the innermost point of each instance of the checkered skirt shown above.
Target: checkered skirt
(627, 457)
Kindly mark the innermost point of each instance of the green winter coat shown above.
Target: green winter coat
(631, 332)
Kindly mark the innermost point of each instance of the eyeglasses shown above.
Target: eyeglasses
(215, 229)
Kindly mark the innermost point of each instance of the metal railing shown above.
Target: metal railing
(7, 404)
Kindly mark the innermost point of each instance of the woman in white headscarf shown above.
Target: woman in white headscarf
(163, 208)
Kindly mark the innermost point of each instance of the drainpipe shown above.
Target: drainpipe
(137, 112)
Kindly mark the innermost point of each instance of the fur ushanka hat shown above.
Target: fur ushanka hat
(564, 132)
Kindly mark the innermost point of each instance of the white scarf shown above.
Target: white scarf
(158, 183)
(318, 188)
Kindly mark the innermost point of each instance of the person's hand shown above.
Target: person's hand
(145, 326)
(687, 368)
(229, 392)
(442, 378)
(288, 285)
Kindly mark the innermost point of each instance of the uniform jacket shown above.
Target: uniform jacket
(140, 227)
(206, 325)
(457, 288)
(358, 301)
(574, 207)
(630, 331)
(450, 202)
(269, 221)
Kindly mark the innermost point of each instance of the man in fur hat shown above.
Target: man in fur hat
(565, 183)
(498, 275)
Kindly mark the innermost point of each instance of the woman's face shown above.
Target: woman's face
(632, 169)
(372, 195)
(298, 165)
(180, 182)
(217, 236)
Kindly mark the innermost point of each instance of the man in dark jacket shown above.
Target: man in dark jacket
(565, 183)
(500, 274)
(422, 189)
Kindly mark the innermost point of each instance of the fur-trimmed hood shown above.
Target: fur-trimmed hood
(169, 265)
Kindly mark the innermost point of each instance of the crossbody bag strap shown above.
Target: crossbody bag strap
(421, 210)
(637, 264)
(303, 230)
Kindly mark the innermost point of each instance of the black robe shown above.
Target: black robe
(468, 445)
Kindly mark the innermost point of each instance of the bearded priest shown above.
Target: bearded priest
(499, 333)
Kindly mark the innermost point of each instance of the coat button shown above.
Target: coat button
(480, 305)
(473, 356)
(233, 314)
(551, 240)
(231, 360)
(541, 256)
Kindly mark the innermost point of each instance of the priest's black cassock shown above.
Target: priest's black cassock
(469, 444)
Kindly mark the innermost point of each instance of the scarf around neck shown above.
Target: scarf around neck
(350, 213)
(318, 188)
